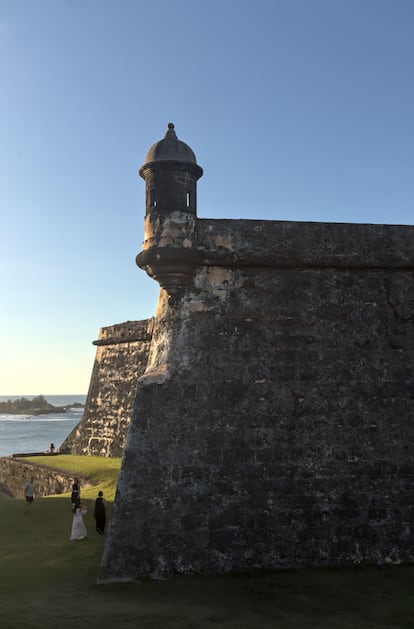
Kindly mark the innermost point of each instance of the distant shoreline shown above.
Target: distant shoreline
(36, 406)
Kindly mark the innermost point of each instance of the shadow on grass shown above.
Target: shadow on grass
(47, 581)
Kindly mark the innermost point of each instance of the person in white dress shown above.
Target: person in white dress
(78, 525)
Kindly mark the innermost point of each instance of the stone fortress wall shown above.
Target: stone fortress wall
(274, 422)
(121, 358)
(15, 472)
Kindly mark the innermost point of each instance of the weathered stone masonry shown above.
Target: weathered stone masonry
(15, 472)
(121, 357)
(274, 423)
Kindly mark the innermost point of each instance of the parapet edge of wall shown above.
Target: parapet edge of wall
(127, 332)
(235, 242)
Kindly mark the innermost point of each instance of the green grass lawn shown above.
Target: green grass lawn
(102, 471)
(47, 581)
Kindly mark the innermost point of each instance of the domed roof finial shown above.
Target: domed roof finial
(170, 133)
(170, 148)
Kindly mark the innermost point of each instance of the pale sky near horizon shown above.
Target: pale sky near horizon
(296, 110)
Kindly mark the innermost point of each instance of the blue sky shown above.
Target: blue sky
(297, 110)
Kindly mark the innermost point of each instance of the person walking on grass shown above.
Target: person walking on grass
(29, 494)
(78, 531)
(99, 513)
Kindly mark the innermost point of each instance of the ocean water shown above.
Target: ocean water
(34, 433)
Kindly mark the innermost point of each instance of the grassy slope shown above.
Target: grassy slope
(47, 581)
(102, 471)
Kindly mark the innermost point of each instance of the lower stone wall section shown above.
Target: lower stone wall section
(276, 430)
(14, 473)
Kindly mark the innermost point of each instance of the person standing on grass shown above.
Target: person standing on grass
(29, 493)
(75, 497)
(99, 513)
(78, 531)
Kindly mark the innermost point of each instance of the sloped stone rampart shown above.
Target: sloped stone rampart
(273, 425)
(121, 358)
(14, 473)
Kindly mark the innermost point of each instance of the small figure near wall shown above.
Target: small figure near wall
(52, 448)
(99, 513)
(75, 496)
(78, 525)
(29, 493)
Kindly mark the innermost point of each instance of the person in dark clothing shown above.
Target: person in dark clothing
(75, 496)
(99, 513)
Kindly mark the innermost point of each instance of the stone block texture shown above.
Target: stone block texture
(14, 473)
(274, 424)
(121, 357)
